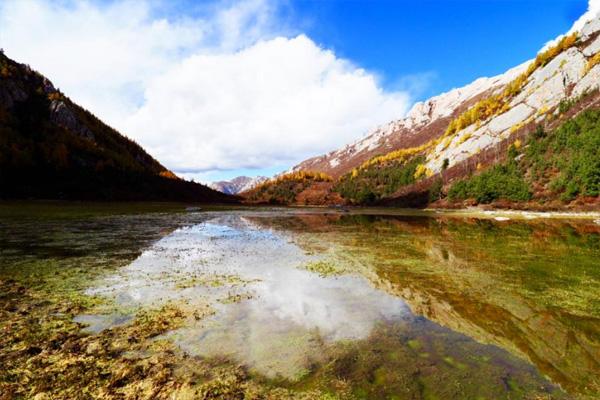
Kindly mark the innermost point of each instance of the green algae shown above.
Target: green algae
(188, 280)
(527, 286)
(323, 268)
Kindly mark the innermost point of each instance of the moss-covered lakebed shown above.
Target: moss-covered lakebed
(129, 302)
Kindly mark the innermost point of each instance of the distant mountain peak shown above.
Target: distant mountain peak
(237, 185)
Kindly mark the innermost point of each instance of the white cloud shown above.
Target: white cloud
(592, 12)
(278, 100)
(227, 89)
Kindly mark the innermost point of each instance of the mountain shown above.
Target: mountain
(237, 185)
(526, 138)
(423, 122)
(52, 148)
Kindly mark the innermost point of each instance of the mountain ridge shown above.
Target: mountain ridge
(464, 132)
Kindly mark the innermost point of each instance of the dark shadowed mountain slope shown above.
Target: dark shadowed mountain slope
(51, 148)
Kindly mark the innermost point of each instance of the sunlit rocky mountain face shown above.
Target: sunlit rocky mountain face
(526, 138)
(51, 148)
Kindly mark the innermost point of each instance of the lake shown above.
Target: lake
(168, 301)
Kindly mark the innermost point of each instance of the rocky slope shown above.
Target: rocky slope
(51, 148)
(238, 185)
(453, 136)
(424, 121)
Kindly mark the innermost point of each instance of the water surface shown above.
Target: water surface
(361, 306)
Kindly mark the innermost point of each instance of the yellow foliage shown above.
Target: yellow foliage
(592, 62)
(54, 96)
(4, 72)
(447, 142)
(422, 170)
(397, 155)
(168, 174)
(516, 127)
(517, 144)
(464, 138)
(479, 166)
(482, 110)
(300, 176)
(497, 104)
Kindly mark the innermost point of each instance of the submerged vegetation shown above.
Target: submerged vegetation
(524, 285)
(46, 354)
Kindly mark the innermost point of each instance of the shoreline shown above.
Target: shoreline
(519, 214)
(500, 214)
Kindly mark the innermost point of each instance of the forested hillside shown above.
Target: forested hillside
(51, 148)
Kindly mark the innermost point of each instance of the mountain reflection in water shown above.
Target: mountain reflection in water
(282, 320)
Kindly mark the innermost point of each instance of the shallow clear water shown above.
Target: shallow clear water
(441, 307)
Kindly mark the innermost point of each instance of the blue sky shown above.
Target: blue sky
(431, 46)
(219, 88)
(451, 42)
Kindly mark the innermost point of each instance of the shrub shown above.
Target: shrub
(445, 164)
(435, 191)
(365, 185)
(499, 182)
(284, 188)
(573, 150)
(539, 132)
(592, 62)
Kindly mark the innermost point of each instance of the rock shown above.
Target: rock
(48, 86)
(589, 82)
(238, 185)
(548, 94)
(592, 48)
(61, 114)
(512, 117)
(591, 27)
(570, 63)
(384, 138)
